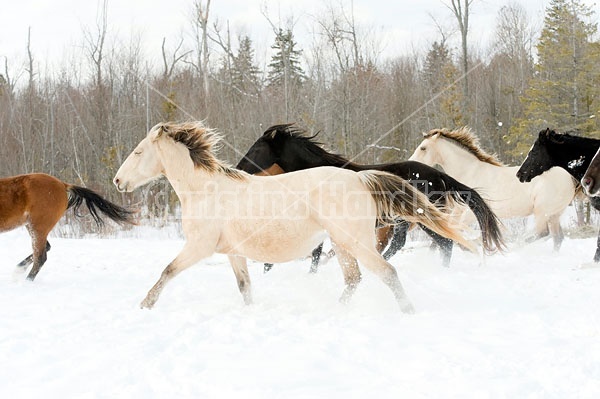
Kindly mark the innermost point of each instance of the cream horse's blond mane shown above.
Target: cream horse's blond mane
(465, 138)
(202, 142)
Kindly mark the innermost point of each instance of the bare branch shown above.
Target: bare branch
(29, 69)
(170, 67)
(385, 147)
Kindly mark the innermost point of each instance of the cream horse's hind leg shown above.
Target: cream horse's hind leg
(350, 270)
(541, 228)
(372, 260)
(240, 268)
(189, 255)
(556, 231)
(362, 247)
(545, 226)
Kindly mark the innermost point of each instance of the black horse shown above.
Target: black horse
(572, 153)
(289, 148)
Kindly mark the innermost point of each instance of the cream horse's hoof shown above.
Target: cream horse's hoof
(406, 307)
(588, 265)
(148, 303)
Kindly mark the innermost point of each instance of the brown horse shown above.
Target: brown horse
(38, 201)
(591, 179)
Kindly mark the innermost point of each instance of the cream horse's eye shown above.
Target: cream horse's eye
(137, 152)
(423, 148)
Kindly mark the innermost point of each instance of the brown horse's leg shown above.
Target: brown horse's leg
(383, 237)
(39, 251)
(191, 253)
(27, 261)
(238, 263)
(399, 233)
(315, 258)
(48, 202)
(350, 270)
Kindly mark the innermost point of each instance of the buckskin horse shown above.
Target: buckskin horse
(459, 153)
(273, 218)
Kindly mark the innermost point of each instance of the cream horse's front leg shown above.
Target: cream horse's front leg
(191, 253)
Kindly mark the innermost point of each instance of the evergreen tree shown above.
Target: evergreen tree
(440, 75)
(284, 68)
(563, 93)
(245, 75)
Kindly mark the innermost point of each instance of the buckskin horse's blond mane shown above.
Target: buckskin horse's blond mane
(466, 139)
(203, 143)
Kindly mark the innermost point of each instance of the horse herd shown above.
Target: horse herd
(288, 193)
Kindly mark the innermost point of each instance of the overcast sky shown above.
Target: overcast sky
(57, 25)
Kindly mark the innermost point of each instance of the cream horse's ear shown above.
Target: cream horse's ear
(432, 134)
(157, 131)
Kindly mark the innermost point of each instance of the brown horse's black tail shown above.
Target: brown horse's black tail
(96, 204)
(491, 234)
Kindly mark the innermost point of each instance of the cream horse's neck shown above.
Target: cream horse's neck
(463, 165)
(189, 182)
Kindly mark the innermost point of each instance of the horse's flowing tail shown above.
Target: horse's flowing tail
(95, 203)
(396, 198)
(491, 234)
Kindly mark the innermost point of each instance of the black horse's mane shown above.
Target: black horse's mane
(308, 143)
(571, 136)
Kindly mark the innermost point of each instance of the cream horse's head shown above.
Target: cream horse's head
(141, 166)
(428, 152)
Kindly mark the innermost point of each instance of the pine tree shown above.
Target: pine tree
(563, 93)
(440, 75)
(284, 68)
(245, 74)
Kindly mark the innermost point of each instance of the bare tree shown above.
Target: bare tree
(354, 76)
(98, 98)
(95, 42)
(29, 69)
(201, 22)
(460, 9)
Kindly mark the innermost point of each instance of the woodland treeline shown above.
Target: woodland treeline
(79, 122)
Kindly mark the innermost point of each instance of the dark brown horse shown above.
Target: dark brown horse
(591, 179)
(38, 201)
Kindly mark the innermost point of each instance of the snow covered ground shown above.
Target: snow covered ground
(525, 325)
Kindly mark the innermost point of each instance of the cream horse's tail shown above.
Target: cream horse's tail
(396, 198)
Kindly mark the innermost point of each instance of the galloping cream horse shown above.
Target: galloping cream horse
(276, 218)
(459, 154)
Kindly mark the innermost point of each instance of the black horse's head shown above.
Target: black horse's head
(284, 146)
(264, 153)
(540, 157)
